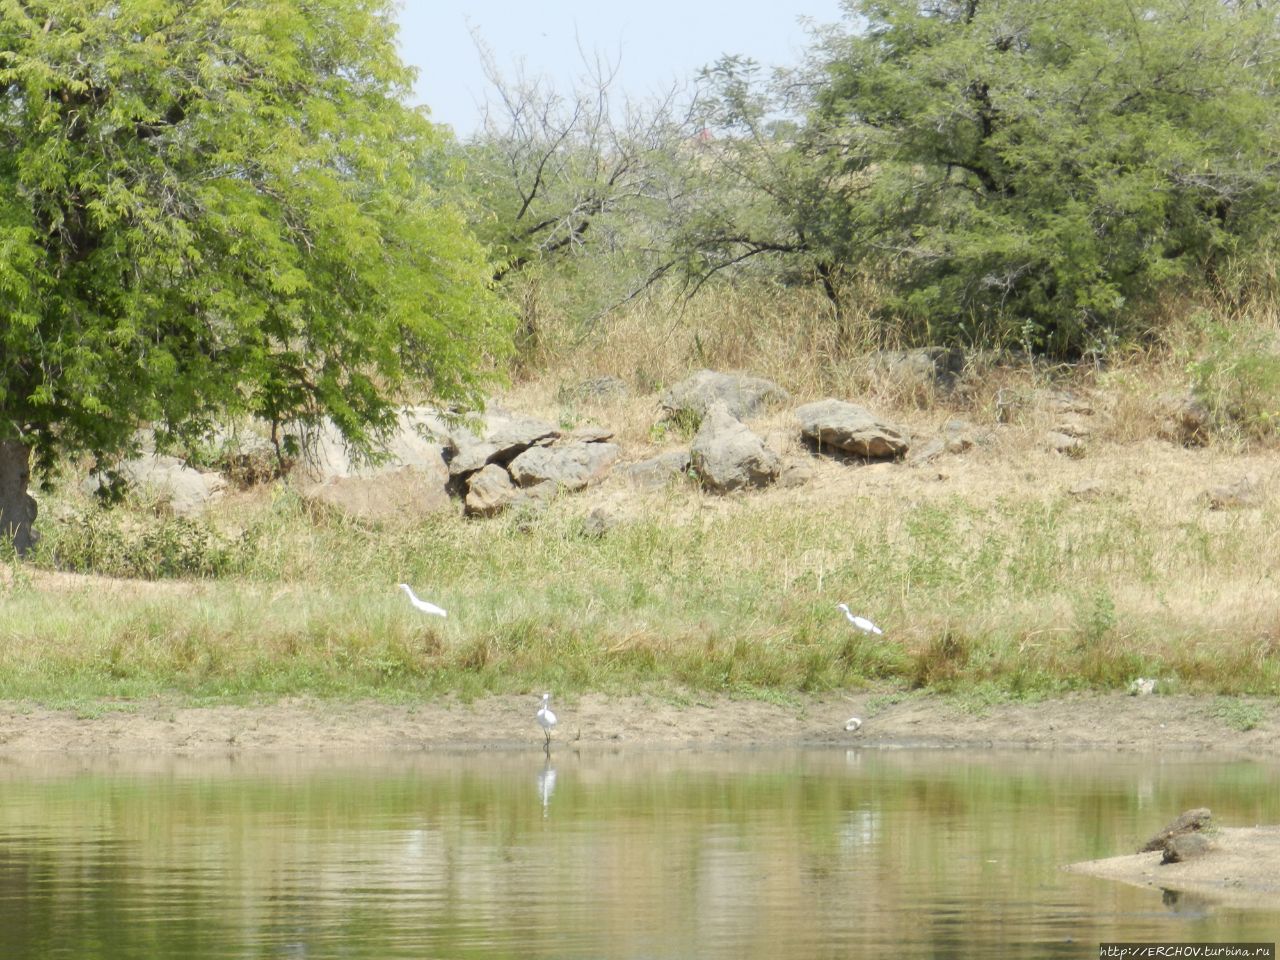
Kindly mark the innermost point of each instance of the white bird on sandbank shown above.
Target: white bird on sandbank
(862, 623)
(546, 719)
(853, 723)
(422, 605)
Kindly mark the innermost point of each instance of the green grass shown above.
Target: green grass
(1017, 597)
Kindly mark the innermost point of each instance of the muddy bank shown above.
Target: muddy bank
(1118, 722)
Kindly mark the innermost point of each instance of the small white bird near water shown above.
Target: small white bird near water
(546, 719)
(422, 605)
(862, 623)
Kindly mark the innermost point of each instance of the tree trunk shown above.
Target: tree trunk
(17, 508)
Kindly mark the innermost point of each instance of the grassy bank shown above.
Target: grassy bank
(988, 573)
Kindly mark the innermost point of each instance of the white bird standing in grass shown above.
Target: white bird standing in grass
(422, 605)
(546, 719)
(862, 623)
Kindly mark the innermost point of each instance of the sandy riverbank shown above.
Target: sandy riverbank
(1119, 722)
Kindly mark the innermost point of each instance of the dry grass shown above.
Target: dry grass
(1008, 565)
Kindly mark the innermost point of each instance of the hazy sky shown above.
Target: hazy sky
(656, 41)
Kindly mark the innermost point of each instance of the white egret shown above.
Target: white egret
(853, 723)
(546, 719)
(422, 605)
(862, 623)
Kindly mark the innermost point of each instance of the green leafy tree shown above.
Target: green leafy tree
(1024, 171)
(211, 207)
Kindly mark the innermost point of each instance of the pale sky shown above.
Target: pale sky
(655, 41)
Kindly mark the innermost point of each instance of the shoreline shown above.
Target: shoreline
(1115, 722)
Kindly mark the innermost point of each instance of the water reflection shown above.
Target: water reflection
(634, 854)
(546, 785)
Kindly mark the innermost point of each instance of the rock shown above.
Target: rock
(1064, 444)
(407, 492)
(726, 455)
(1185, 847)
(1193, 821)
(502, 438)
(848, 427)
(571, 465)
(931, 450)
(795, 474)
(957, 437)
(658, 471)
(1187, 421)
(742, 395)
(410, 479)
(183, 489)
(927, 367)
(415, 442)
(490, 491)
(1234, 496)
(591, 433)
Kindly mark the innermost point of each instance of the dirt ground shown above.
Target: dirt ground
(1241, 869)
(1117, 722)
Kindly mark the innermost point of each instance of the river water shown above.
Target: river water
(634, 854)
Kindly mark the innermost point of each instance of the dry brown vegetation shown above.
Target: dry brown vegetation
(1008, 569)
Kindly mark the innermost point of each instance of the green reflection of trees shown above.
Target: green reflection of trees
(800, 855)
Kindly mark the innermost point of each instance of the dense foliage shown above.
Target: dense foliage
(212, 207)
(1032, 168)
(1013, 172)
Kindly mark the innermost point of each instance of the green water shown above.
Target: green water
(636, 854)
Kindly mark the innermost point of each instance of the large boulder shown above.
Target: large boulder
(726, 455)
(501, 438)
(835, 424)
(410, 479)
(415, 442)
(657, 472)
(407, 492)
(170, 482)
(742, 395)
(490, 491)
(572, 465)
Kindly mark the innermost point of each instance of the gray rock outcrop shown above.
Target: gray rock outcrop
(657, 472)
(186, 491)
(726, 455)
(490, 491)
(571, 465)
(410, 479)
(742, 395)
(501, 439)
(837, 425)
